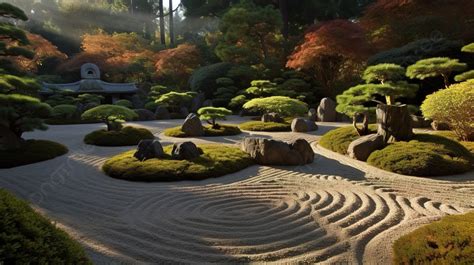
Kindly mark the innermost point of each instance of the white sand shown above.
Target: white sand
(334, 210)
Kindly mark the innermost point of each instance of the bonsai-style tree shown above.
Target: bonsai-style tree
(468, 48)
(211, 114)
(175, 100)
(352, 102)
(455, 106)
(89, 98)
(262, 88)
(112, 115)
(19, 114)
(437, 66)
(284, 106)
(156, 92)
(11, 84)
(464, 76)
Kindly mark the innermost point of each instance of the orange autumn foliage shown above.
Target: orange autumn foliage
(177, 64)
(42, 48)
(329, 49)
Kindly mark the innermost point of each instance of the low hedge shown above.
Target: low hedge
(224, 130)
(28, 238)
(32, 151)
(260, 126)
(126, 136)
(448, 241)
(217, 160)
(338, 140)
(425, 155)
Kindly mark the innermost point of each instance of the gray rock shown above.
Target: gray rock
(185, 151)
(271, 117)
(361, 148)
(162, 113)
(312, 126)
(144, 115)
(420, 122)
(440, 126)
(299, 125)
(304, 149)
(272, 152)
(148, 149)
(192, 126)
(327, 110)
(312, 115)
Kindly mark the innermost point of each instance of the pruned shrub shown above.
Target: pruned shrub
(284, 106)
(112, 115)
(455, 106)
(124, 137)
(124, 103)
(64, 111)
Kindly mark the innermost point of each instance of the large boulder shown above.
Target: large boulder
(272, 152)
(185, 151)
(144, 115)
(272, 117)
(148, 149)
(361, 148)
(327, 110)
(299, 125)
(312, 115)
(440, 126)
(192, 126)
(304, 149)
(162, 113)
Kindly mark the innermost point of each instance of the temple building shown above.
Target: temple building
(90, 83)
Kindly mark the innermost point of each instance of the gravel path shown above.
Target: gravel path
(333, 210)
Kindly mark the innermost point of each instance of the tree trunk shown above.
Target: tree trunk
(171, 24)
(365, 124)
(9, 140)
(162, 23)
(394, 123)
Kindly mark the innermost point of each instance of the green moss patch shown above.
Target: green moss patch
(338, 140)
(126, 136)
(260, 126)
(448, 241)
(453, 136)
(29, 238)
(224, 130)
(32, 151)
(425, 155)
(217, 160)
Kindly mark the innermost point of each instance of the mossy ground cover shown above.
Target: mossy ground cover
(451, 135)
(28, 238)
(224, 130)
(260, 126)
(32, 151)
(425, 155)
(217, 160)
(448, 241)
(338, 140)
(125, 137)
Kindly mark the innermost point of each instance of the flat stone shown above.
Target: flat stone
(361, 148)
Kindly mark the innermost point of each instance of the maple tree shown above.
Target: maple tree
(328, 51)
(178, 64)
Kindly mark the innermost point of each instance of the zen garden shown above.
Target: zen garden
(236, 132)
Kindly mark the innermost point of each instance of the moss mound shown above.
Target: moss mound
(31, 152)
(425, 155)
(260, 126)
(338, 140)
(453, 136)
(126, 136)
(448, 241)
(29, 238)
(224, 130)
(217, 160)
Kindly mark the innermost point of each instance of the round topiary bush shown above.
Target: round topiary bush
(448, 241)
(259, 126)
(124, 137)
(29, 238)
(124, 103)
(223, 130)
(31, 151)
(64, 111)
(338, 140)
(425, 155)
(216, 161)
